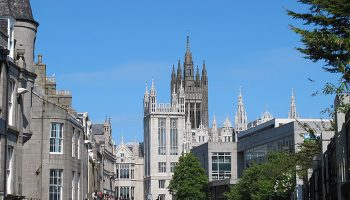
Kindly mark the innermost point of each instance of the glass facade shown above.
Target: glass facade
(258, 154)
(221, 166)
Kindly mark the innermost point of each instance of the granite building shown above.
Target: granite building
(195, 88)
(164, 129)
(55, 158)
(17, 39)
(129, 171)
(105, 144)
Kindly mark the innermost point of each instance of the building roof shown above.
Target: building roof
(97, 129)
(18, 9)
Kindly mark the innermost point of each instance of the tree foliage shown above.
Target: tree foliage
(326, 37)
(273, 179)
(189, 181)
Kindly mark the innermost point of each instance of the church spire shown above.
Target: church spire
(188, 66)
(241, 115)
(188, 44)
(292, 108)
(197, 74)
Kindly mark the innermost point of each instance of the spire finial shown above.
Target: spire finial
(146, 88)
(240, 91)
(152, 87)
(122, 138)
(188, 43)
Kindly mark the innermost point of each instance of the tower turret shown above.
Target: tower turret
(146, 99)
(153, 98)
(241, 115)
(188, 65)
(214, 131)
(173, 79)
(197, 76)
(182, 97)
(174, 98)
(292, 108)
(204, 73)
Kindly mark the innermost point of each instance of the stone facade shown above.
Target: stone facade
(195, 87)
(164, 128)
(105, 144)
(56, 158)
(16, 81)
(129, 171)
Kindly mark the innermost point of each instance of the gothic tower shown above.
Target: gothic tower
(241, 115)
(292, 108)
(196, 89)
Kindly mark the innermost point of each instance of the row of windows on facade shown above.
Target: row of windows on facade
(162, 167)
(125, 171)
(125, 192)
(56, 140)
(56, 183)
(221, 165)
(162, 137)
(258, 154)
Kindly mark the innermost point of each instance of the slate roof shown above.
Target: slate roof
(18, 9)
(97, 129)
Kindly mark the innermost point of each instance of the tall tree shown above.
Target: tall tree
(271, 180)
(326, 37)
(189, 181)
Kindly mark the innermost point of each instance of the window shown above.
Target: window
(132, 174)
(132, 192)
(78, 144)
(172, 166)
(161, 197)
(11, 103)
(55, 192)
(73, 185)
(124, 171)
(161, 137)
(73, 143)
(221, 166)
(162, 167)
(173, 137)
(56, 138)
(10, 169)
(117, 172)
(78, 186)
(161, 183)
(124, 192)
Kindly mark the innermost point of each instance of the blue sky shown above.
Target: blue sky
(105, 51)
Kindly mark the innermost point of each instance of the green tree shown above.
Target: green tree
(189, 181)
(326, 37)
(273, 179)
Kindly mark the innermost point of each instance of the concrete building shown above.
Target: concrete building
(56, 157)
(219, 159)
(164, 129)
(276, 135)
(129, 171)
(17, 35)
(195, 88)
(106, 145)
